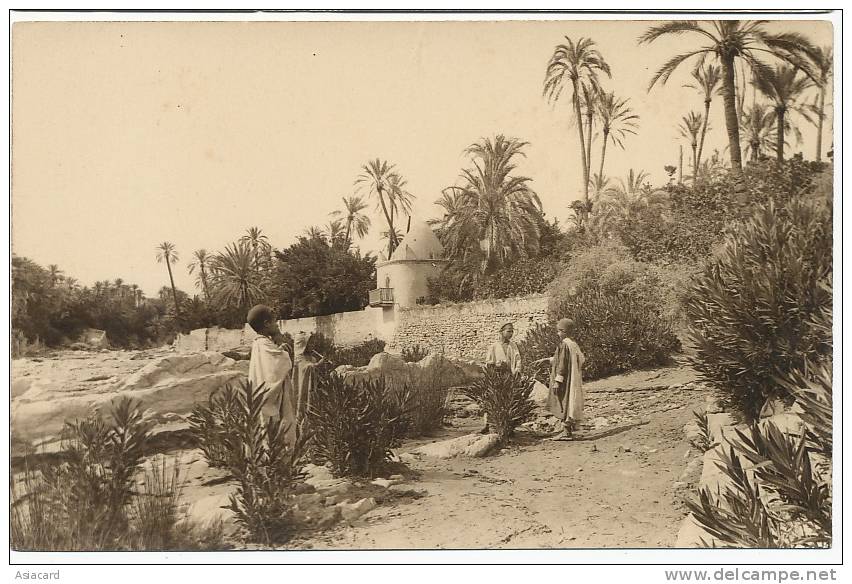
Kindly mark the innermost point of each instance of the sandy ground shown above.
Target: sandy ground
(612, 488)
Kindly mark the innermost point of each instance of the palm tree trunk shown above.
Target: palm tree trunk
(821, 114)
(680, 167)
(694, 162)
(731, 121)
(348, 229)
(603, 152)
(579, 117)
(589, 122)
(779, 147)
(174, 290)
(204, 282)
(703, 129)
(391, 238)
(755, 151)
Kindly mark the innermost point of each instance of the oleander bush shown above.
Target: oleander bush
(752, 307)
(355, 426)
(505, 397)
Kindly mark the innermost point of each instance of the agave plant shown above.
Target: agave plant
(505, 397)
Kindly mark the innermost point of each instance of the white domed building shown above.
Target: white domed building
(402, 279)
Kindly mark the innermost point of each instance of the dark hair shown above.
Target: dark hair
(258, 317)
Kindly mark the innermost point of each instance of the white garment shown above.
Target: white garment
(269, 364)
(509, 354)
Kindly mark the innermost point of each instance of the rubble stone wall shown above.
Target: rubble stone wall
(466, 329)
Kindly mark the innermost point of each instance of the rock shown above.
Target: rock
(384, 483)
(539, 393)
(692, 472)
(476, 445)
(717, 423)
(712, 405)
(333, 499)
(600, 422)
(306, 500)
(397, 478)
(352, 511)
(332, 486)
(317, 472)
(397, 373)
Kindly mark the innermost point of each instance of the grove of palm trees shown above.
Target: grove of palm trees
(699, 291)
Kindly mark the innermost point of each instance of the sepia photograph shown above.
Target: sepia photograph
(335, 282)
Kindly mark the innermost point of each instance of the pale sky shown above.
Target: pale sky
(129, 134)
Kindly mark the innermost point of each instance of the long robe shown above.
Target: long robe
(303, 384)
(270, 365)
(508, 354)
(567, 397)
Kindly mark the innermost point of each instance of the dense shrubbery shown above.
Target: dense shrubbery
(752, 308)
(429, 399)
(505, 397)
(88, 501)
(354, 427)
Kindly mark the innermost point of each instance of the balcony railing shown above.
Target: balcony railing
(381, 297)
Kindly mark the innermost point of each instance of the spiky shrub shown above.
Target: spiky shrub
(785, 499)
(752, 306)
(211, 423)
(81, 503)
(414, 354)
(263, 455)
(504, 396)
(357, 356)
(429, 400)
(355, 426)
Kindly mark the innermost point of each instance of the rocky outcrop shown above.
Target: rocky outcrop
(397, 373)
(472, 445)
(168, 387)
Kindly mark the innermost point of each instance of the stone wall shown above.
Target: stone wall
(461, 330)
(465, 330)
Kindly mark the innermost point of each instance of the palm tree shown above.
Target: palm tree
(385, 183)
(354, 219)
(690, 128)
(315, 232)
(785, 89)
(758, 122)
(707, 79)
(234, 282)
(617, 120)
(727, 41)
(599, 185)
(491, 210)
(55, 274)
(258, 242)
(627, 197)
(201, 261)
(575, 65)
(336, 233)
(823, 61)
(166, 252)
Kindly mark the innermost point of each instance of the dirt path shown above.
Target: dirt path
(613, 491)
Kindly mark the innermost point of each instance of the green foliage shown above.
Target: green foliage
(211, 423)
(787, 500)
(752, 307)
(414, 354)
(505, 397)
(316, 278)
(354, 427)
(429, 401)
(540, 342)
(617, 332)
(519, 278)
(703, 442)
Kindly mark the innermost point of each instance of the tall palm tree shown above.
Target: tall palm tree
(336, 233)
(707, 79)
(491, 210)
(576, 66)
(234, 282)
(785, 88)
(381, 180)
(758, 123)
(259, 244)
(690, 127)
(352, 216)
(201, 262)
(167, 253)
(727, 41)
(617, 120)
(823, 62)
(315, 232)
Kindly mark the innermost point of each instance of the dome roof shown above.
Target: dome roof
(420, 243)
